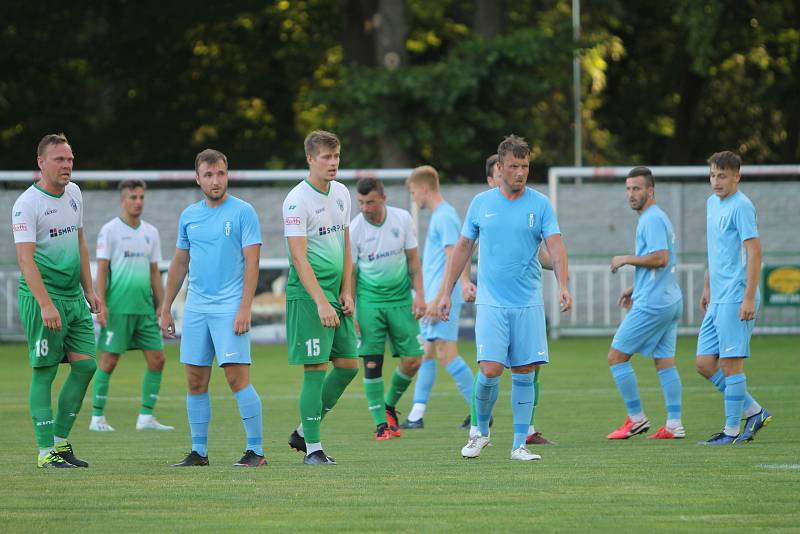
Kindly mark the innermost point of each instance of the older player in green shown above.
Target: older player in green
(386, 261)
(129, 284)
(55, 286)
(319, 292)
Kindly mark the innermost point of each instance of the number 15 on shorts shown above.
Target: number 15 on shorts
(312, 347)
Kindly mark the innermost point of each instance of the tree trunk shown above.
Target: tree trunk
(490, 18)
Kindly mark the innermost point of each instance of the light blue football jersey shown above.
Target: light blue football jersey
(655, 288)
(729, 223)
(442, 233)
(215, 238)
(510, 231)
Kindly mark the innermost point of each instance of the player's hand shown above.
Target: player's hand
(94, 302)
(705, 299)
(747, 311)
(444, 308)
(242, 322)
(327, 315)
(617, 262)
(468, 291)
(419, 308)
(625, 300)
(565, 300)
(102, 315)
(348, 307)
(167, 323)
(432, 312)
(51, 318)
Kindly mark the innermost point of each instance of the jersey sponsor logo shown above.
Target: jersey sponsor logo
(292, 221)
(379, 255)
(320, 210)
(325, 230)
(530, 220)
(56, 232)
(396, 232)
(50, 212)
(340, 203)
(19, 227)
(227, 228)
(133, 254)
(125, 238)
(73, 204)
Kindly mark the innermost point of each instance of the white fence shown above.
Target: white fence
(595, 291)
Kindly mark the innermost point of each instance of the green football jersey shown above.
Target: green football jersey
(52, 222)
(379, 253)
(322, 218)
(129, 252)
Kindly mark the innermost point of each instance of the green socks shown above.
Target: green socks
(150, 387)
(535, 394)
(72, 393)
(311, 404)
(373, 388)
(100, 391)
(335, 383)
(398, 386)
(41, 406)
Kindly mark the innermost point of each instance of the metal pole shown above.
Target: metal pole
(576, 81)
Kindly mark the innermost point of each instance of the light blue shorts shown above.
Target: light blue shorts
(207, 334)
(648, 331)
(723, 333)
(511, 336)
(446, 330)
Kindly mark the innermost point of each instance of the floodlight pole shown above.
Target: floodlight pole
(576, 82)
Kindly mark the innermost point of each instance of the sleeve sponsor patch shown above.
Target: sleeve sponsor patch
(292, 221)
(20, 227)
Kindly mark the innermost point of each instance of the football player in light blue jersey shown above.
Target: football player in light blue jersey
(730, 299)
(439, 337)
(512, 221)
(219, 245)
(651, 327)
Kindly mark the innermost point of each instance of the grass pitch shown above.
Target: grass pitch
(418, 483)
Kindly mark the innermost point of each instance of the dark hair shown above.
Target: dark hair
(133, 183)
(319, 138)
(491, 161)
(365, 186)
(50, 139)
(725, 160)
(649, 180)
(209, 156)
(514, 144)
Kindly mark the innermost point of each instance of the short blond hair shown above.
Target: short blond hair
(425, 175)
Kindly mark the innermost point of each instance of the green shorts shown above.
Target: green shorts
(124, 332)
(47, 348)
(309, 342)
(397, 322)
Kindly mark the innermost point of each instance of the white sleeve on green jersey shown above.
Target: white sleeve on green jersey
(295, 216)
(155, 242)
(23, 221)
(356, 237)
(105, 241)
(410, 231)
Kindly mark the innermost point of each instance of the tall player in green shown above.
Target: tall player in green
(47, 222)
(129, 284)
(386, 261)
(319, 293)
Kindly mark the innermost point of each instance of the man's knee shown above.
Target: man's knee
(373, 366)
(706, 365)
(409, 366)
(616, 357)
